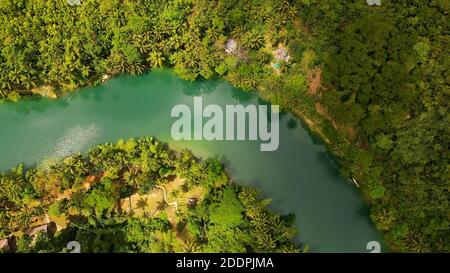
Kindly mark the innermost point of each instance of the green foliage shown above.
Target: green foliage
(218, 223)
(54, 209)
(384, 77)
(253, 39)
(385, 71)
(228, 213)
(101, 198)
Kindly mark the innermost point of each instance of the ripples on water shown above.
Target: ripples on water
(74, 140)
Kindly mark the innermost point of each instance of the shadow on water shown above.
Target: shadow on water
(93, 93)
(328, 163)
(292, 123)
(227, 164)
(35, 105)
(225, 161)
(199, 87)
(165, 76)
(242, 96)
(40, 105)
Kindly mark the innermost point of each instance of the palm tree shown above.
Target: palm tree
(142, 204)
(236, 79)
(75, 166)
(157, 33)
(156, 59)
(238, 31)
(384, 218)
(11, 189)
(339, 149)
(213, 33)
(31, 174)
(160, 207)
(290, 249)
(266, 241)
(253, 39)
(275, 224)
(165, 47)
(116, 63)
(136, 68)
(81, 167)
(175, 42)
(288, 233)
(3, 94)
(191, 246)
(38, 211)
(260, 221)
(15, 75)
(416, 243)
(143, 42)
(24, 220)
(251, 81)
(177, 58)
(292, 12)
(131, 177)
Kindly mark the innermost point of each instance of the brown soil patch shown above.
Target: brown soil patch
(315, 80)
(321, 110)
(154, 197)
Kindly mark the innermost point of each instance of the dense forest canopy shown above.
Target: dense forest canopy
(371, 80)
(387, 75)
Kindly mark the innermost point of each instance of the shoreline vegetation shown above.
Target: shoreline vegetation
(371, 81)
(112, 200)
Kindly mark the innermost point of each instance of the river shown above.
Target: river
(300, 177)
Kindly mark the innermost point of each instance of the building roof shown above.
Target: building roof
(74, 2)
(282, 54)
(230, 46)
(374, 2)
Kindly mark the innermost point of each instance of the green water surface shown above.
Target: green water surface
(300, 176)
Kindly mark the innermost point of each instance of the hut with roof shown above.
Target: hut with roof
(231, 46)
(281, 55)
(74, 2)
(374, 2)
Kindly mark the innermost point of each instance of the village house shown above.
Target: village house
(231, 46)
(374, 2)
(282, 54)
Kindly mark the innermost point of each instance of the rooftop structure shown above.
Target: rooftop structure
(374, 2)
(231, 46)
(282, 54)
(74, 2)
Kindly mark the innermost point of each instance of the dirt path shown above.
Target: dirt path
(174, 203)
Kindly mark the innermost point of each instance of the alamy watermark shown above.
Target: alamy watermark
(74, 247)
(374, 247)
(235, 122)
